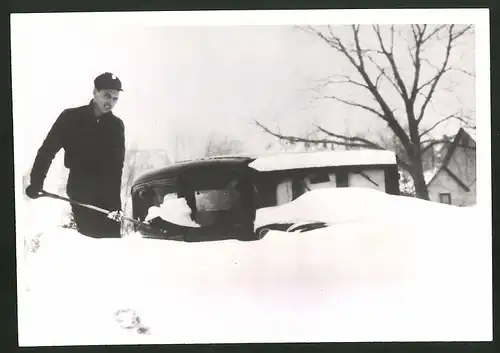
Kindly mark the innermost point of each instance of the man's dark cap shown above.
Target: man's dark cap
(108, 81)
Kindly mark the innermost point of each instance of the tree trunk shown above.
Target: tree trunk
(421, 191)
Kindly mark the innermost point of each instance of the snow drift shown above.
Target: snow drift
(340, 205)
(389, 268)
(174, 210)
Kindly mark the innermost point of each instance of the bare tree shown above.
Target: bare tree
(377, 71)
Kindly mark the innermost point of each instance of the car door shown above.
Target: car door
(223, 202)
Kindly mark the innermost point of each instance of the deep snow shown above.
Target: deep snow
(389, 268)
(340, 205)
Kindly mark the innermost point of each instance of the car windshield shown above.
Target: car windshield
(221, 203)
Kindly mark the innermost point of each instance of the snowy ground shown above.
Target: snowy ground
(379, 273)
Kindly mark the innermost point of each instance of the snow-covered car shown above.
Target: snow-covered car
(217, 196)
(387, 268)
(222, 196)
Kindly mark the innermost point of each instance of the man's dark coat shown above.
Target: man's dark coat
(94, 154)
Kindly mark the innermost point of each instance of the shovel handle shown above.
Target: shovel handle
(92, 207)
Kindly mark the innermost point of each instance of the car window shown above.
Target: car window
(151, 196)
(214, 200)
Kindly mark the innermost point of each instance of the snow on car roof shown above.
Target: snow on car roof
(285, 161)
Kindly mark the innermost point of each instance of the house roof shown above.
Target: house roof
(462, 132)
(470, 132)
(430, 174)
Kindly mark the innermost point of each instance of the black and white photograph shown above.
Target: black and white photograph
(291, 176)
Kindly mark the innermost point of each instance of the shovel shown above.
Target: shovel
(148, 228)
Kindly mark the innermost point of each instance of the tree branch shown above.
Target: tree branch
(351, 138)
(347, 141)
(415, 39)
(388, 114)
(346, 79)
(355, 30)
(451, 39)
(416, 61)
(382, 72)
(408, 102)
(390, 57)
(452, 116)
(432, 34)
(470, 74)
(354, 104)
(425, 84)
(392, 38)
(368, 143)
(335, 43)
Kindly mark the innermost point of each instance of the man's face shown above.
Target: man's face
(106, 99)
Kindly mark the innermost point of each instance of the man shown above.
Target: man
(93, 139)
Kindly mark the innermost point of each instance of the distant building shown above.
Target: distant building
(454, 181)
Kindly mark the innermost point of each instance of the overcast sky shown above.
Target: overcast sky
(192, 81)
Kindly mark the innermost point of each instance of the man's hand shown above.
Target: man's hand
(116, 215)
(33, 191)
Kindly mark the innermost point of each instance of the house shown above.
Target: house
(454, 181)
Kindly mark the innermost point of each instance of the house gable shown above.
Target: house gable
(460, 160)
(457, 179)
(457, 174)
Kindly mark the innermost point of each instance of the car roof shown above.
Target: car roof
(323, 159)
(173, 170)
